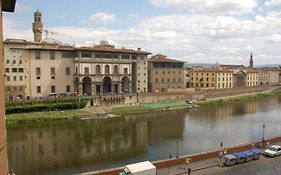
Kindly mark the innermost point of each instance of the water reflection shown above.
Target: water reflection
(69, 147)
(56, 146)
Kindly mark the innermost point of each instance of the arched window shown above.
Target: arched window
(106, 69)
(97, 69)
(115, 69)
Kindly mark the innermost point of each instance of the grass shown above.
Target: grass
(152, 107)
(241, 98)
(43, 116)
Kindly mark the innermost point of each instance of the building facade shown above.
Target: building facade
(268, 75)
(165, 73)
(104, 69)
(46, 67)
(211, 78)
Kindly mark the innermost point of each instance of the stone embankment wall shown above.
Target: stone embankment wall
(198, 95)
(175, 96)
(196, 157)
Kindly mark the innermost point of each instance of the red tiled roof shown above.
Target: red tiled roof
(214, 70)
(110, 48)
(163, 58)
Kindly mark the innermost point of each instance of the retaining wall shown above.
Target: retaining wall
(195, 157)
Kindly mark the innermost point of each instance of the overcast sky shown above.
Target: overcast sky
(196, 31)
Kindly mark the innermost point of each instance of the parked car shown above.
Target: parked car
(273, 151)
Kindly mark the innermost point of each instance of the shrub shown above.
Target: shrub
(48, 105)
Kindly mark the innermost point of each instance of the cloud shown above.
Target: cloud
(272, 3)
(275, 38)
(209, 6)
(14, 29)
(22, 8)
(102, 18)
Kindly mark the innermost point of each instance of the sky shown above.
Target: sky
(195, 31)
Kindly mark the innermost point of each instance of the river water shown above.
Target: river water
(76, 146)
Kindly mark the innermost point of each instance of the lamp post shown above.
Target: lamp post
(263, 128)
(177, 149)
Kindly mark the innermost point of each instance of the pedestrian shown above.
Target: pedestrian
(220, 154)
(225, 151)
(253, 145)
(187, 161)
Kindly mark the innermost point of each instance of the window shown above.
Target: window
(14, 70)
(86, 55)
(7, 61)
(68, 88)
(38, 88)
(125, 70)
(20, 61)
(37, 55)
(86, 70)
(7, 70)
(53, 72)
(20, 70)
(53, 89)
(168, 80)
(20, 88)
(115, 69)
(163, 72)
(162, 80)
(38, 71)
(15, 88)
(156, 80)
(106, 69)
(8, 89)
(8, 78)
(20, 78)
(179, 80)
(52, 55)
(15, 78)
(97, 69)
(14, 61)
(67, 71)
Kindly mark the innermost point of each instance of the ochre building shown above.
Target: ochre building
(165, 73)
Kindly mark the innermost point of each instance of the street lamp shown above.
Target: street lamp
(263, 128)
(177, 149)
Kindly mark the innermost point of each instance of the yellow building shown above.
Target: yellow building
(211, 78)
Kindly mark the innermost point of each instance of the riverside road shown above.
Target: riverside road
(263, 166)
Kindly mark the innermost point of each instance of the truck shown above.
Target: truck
(141, 168)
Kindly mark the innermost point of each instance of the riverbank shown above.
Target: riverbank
(202, 160)
(130, 109)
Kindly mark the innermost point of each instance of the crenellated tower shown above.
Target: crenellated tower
(37, 26)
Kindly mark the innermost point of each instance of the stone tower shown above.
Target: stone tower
(37, 26)
(251, 65)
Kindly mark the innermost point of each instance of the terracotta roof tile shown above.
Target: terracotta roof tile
(163, 58)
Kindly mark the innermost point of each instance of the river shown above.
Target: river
(76, 146)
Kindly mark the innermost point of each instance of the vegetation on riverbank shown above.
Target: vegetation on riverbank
(44, 116)
(59, 113)
(44, 105)
(240, 98)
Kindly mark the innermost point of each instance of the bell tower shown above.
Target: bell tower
(251, 65)
(37, 26)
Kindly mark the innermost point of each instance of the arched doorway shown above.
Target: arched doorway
(76, 85)
(106, 85)
(87, 86)
(125, 84)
